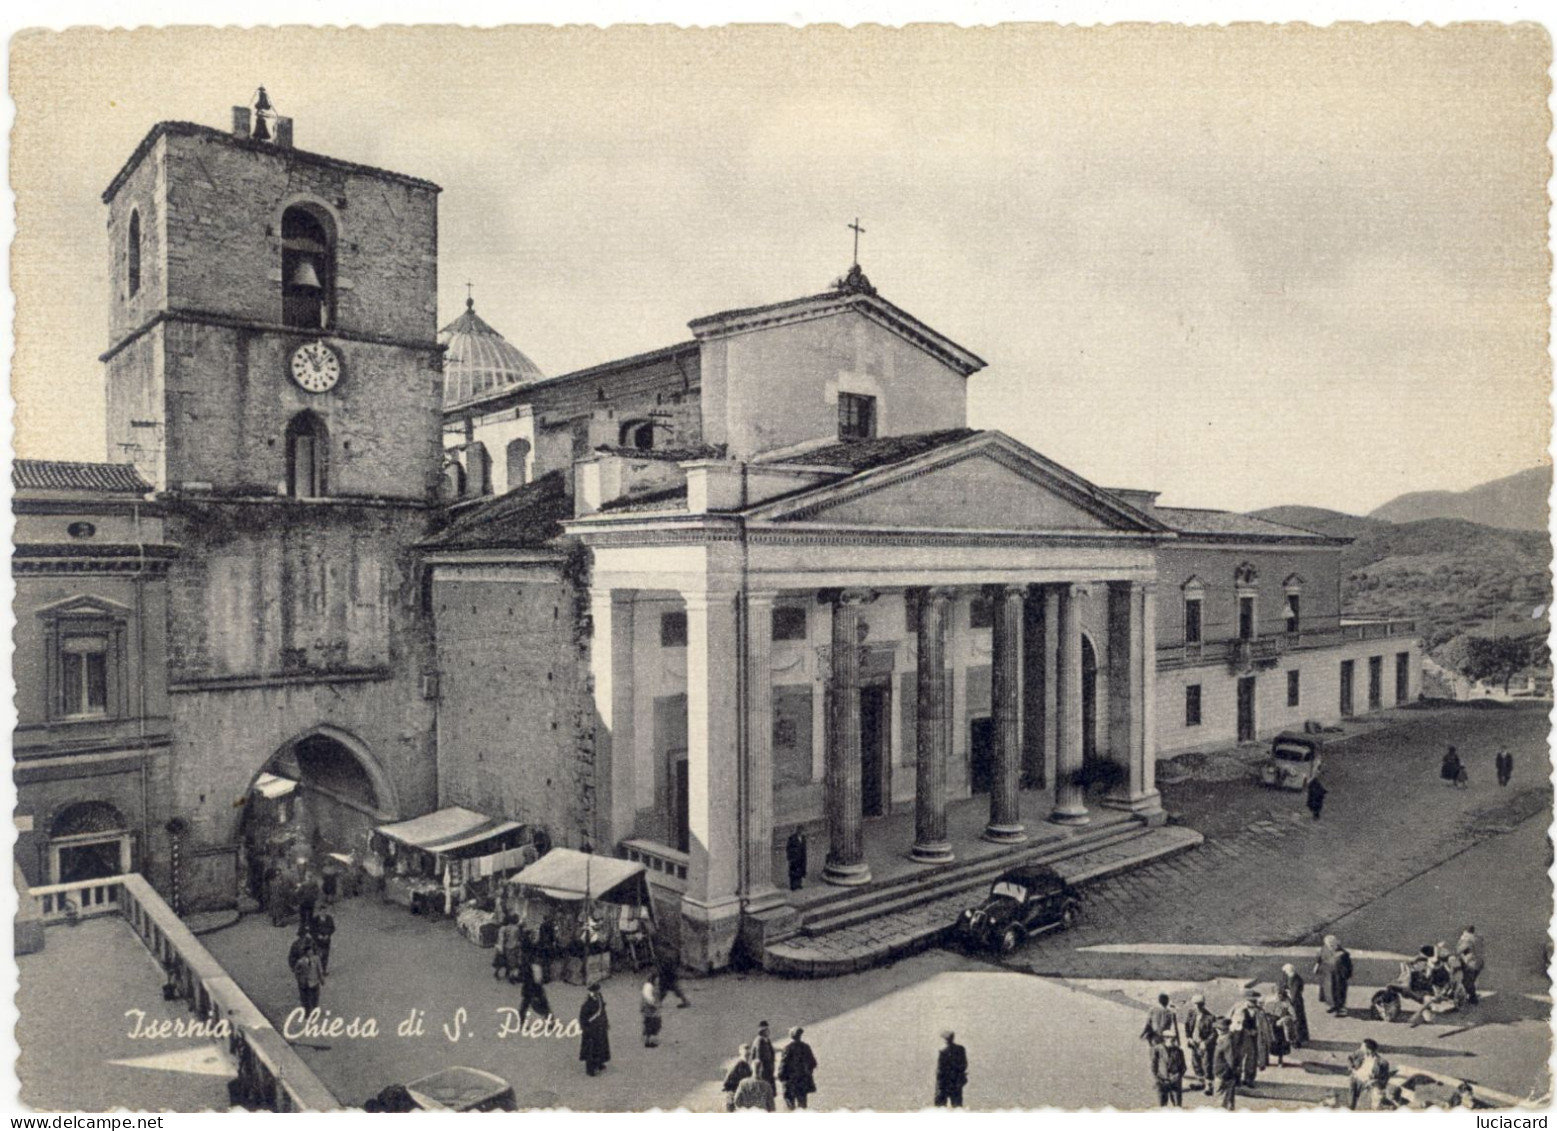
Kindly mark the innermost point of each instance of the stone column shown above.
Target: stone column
(1005, 818)
(1036, 634)
(846, 864)
(933, 731)
(760, 891)
(611, 665)
(1051, 682)
(1069, 798)
(711, 906)
(1131, 694)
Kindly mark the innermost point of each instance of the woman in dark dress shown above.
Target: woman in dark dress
(595, 1044)
(1289, 988)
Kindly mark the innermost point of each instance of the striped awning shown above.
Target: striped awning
(448, 829)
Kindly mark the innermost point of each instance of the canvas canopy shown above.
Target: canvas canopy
(563, 873)
(448, 830)
(272, 787)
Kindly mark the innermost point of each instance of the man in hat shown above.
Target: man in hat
(1200, 1036)
(1251, 1036)
(1224, 1064)
(1168, 1071)
(951, 1072)
(795, 853)
(1369, 1071)
(796, 1070)
(762, 1057)
(1334, 967)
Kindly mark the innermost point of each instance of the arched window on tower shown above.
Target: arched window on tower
(308, 443)
(307, 268)
(133, 254)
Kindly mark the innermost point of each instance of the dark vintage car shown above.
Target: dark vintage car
(1295, 759)
(1022, 902)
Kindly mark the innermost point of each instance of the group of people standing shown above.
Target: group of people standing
(1226, 1052)
(595, 1023)
(309, 956)
(754, 1080)
(1453, 772)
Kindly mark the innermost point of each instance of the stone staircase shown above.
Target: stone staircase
(855, 928)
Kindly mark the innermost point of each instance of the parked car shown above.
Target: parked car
(449, 1089)
(1294, 760)
(1023, 901)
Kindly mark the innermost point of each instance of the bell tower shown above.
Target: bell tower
(273, 369)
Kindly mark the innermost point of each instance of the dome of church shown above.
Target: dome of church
(480, 361)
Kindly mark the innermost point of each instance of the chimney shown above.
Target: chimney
(240, 121)
(283, 133)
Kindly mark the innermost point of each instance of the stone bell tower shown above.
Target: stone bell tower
(273, 369)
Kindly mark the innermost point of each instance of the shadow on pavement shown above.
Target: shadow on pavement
(1297, 1093)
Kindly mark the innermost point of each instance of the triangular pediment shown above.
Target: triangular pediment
(85, 606)
(987, 482)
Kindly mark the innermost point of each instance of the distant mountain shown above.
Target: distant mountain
(1453, 576)
(1517, 502)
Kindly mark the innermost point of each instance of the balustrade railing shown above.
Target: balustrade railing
(1271, 645)
(81, 899)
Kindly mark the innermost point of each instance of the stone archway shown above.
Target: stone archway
(1089, 748)
(88, 840)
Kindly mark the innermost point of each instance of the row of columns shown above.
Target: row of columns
(1131, 679)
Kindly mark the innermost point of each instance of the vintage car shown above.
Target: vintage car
(1022, 902)
(1294, 760)
(449, 1089)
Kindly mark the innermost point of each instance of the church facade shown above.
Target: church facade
(671, 606)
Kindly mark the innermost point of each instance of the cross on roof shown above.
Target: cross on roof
(470, 298)
(858, 232)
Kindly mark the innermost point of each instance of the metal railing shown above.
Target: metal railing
(1239, 651)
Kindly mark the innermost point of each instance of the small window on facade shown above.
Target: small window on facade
(856, 416)
(1246, 618)
(133, 254)
(307, 456)
(1294, 689)
(981, 613)
(673, 630)
(789, 623)
(518, 455)
(1192, 620)
(1293, 612)
(638, 434)
(83, 675)
(307, 269)
(1192, 705)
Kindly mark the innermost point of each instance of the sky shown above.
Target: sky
(1244, 267)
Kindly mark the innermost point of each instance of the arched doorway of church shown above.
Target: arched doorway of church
(321, 794)
(89, 840)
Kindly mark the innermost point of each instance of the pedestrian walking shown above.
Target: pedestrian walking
(649, 1007)
(323, 931)
(1200, 1036)
(795, 853)
(594, 1047)
(1316, 797)
(1369, 1072)
(797, 1070)
(670, 979)
(1224, 1064)
(1289, 988)
(302, 940)
(739, 1071)
(546, 947)
(1505, 766)
(307, 896)
(754, 1093)
(1449, 769)
(1160, 1021)
(1334, 968)
(1251, 1036)
(762, 1057)
(951, 1072)
(1168, 1071)
(1283, 1025)
(532, 995)
(507, 946)
(308, 974)
(274, 897)
(1473, 961)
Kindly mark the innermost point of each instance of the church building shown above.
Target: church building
(671, 606)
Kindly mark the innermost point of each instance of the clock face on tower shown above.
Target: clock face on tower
(316, 367)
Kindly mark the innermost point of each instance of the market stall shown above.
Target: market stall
(438, 861)
(590, 906)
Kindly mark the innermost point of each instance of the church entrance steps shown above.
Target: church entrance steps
(840, 935)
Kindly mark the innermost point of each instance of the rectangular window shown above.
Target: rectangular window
(673, 630)
(1245, 618)
(1294, 612)
(856, 417)
(789, 623)
(84, 676)
(1294, 689)
(1192, 705)
(1192, 620)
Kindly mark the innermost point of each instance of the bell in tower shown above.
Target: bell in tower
(259, 121)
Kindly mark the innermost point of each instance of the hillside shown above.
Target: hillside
(1516, 502)
(1453, 576)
